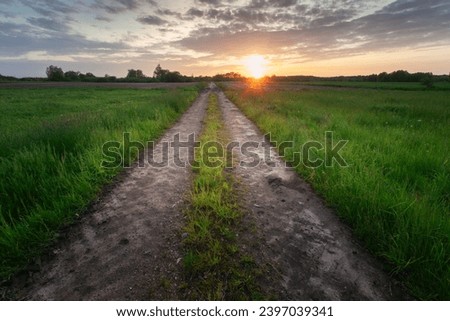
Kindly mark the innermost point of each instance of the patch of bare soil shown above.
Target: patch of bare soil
(312, 253)
(128, 247)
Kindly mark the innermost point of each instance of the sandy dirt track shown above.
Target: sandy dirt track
(311, 250)
(129, 244)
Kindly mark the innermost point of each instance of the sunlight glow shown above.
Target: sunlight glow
(256, 65)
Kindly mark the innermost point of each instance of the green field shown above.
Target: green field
(395, 193)
(51, 150)
(413, 86)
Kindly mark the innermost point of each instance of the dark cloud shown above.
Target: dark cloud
(245, 15)
(193, 12)
(403, 6)
(6, 14)
(211, 2)
(223, 15)
(152, 20)
(103, 18)
(49, 24)
(50, 7)
(167, 12)
(273, 15)
(19, 39)
(119, 6)
(264, 4)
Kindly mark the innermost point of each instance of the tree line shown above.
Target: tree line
(55, 73)
(396, 76)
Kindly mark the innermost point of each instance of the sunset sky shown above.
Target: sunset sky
(206, 37)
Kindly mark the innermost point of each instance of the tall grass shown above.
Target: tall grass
(214, 265)
(396, 191)
(51, 151)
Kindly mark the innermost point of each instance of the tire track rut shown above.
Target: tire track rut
(128, 247)
(313, 252)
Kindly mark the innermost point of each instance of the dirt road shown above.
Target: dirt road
(129, 246)
(313, 252)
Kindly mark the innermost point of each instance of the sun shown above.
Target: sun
(256, 65)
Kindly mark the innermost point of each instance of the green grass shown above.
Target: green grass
(396, 191)
(214, 265)
(50, 155)
(413, 86)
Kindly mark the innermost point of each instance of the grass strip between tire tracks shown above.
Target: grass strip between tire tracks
(215, 267)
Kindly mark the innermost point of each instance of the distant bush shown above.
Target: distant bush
(428, 81)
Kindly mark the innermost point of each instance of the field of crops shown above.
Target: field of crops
(51, 150)
(395, 193)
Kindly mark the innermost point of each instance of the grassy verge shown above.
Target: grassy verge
(215, 268)
(395, 194)
(51, 151)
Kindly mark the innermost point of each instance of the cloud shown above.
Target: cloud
(119, 6)
(210, 2)
(19, 39)
(167, 12)
(329, 32)
(103, 18)
(7, 14)
(152, 20)
(50, 24)
(262, 4)
(224, 15)
(50, 7)
(193, 12)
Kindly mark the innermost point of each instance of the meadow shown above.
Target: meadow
(395, 191)
(410, 86)
(51, 152)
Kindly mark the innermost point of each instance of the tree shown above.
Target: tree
(160, 73)
(72, 75)
(173, 76)
(157, 72)
(135, 74)
(54, 73)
